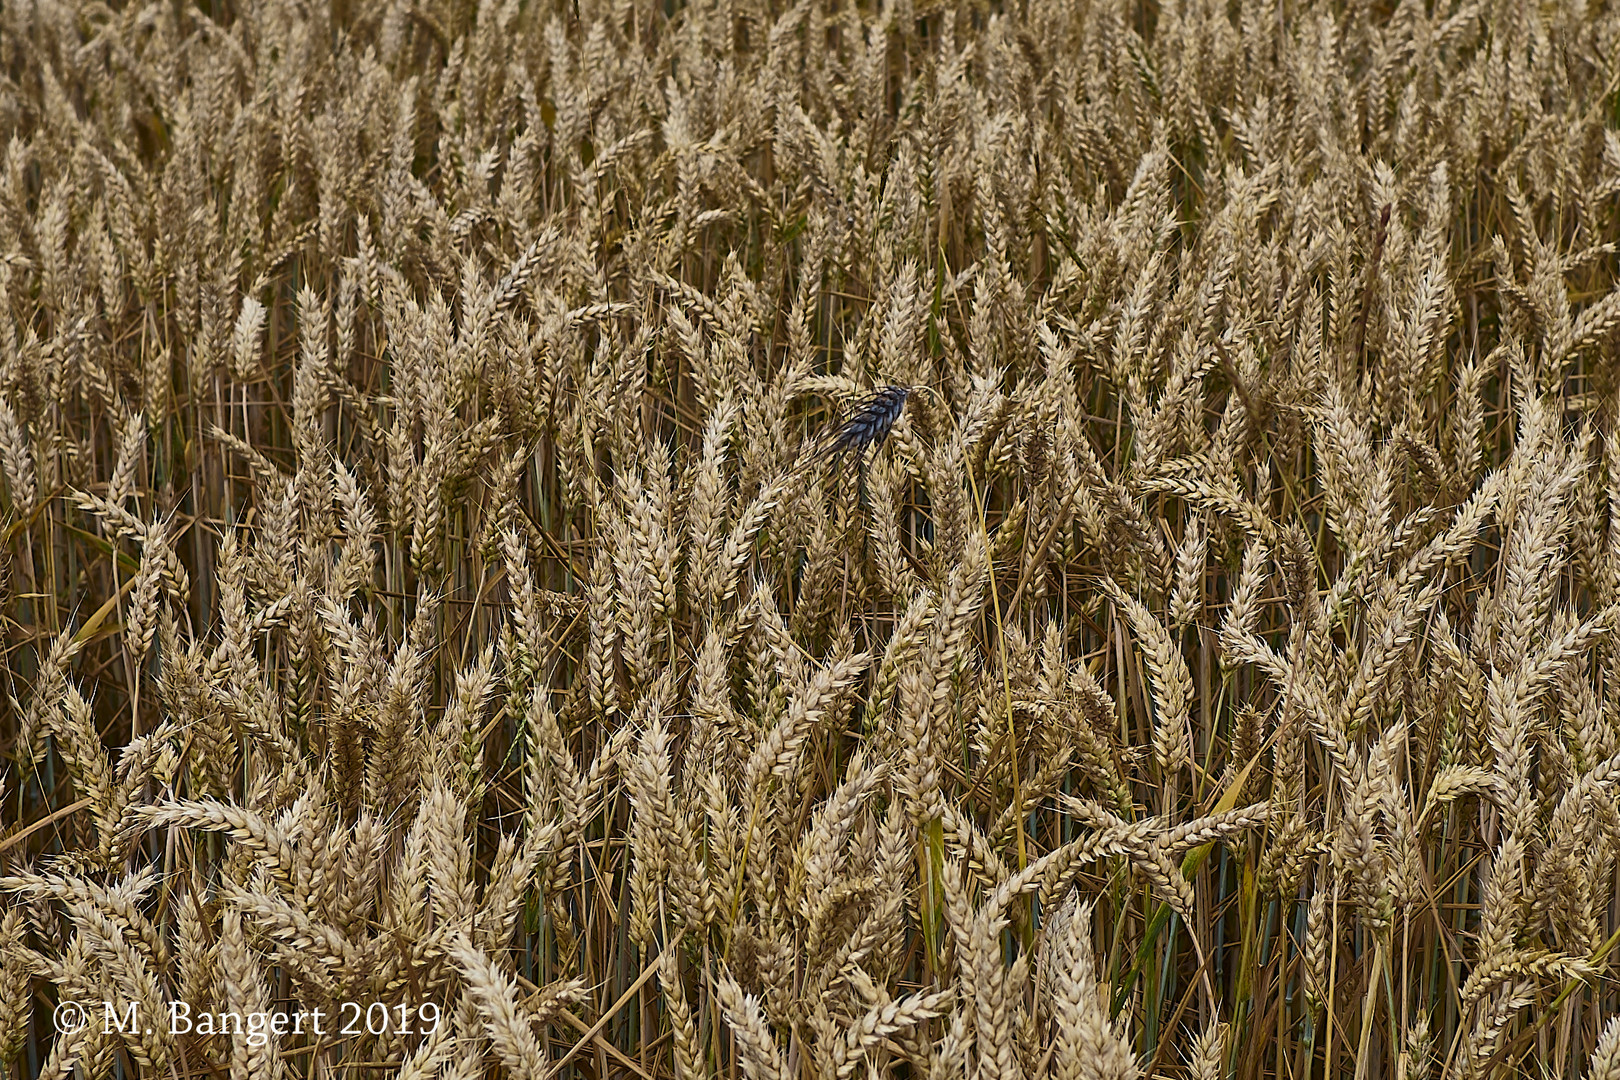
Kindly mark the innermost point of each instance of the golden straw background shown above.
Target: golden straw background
(427, 583)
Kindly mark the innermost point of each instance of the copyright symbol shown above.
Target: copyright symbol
(70, 1017)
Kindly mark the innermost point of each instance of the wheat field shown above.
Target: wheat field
(861, 539)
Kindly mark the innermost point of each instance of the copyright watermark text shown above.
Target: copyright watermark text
(347, 1019)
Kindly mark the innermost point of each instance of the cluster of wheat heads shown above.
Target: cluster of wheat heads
(428, 582)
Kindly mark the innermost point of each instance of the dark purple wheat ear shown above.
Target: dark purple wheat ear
(868, 423)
